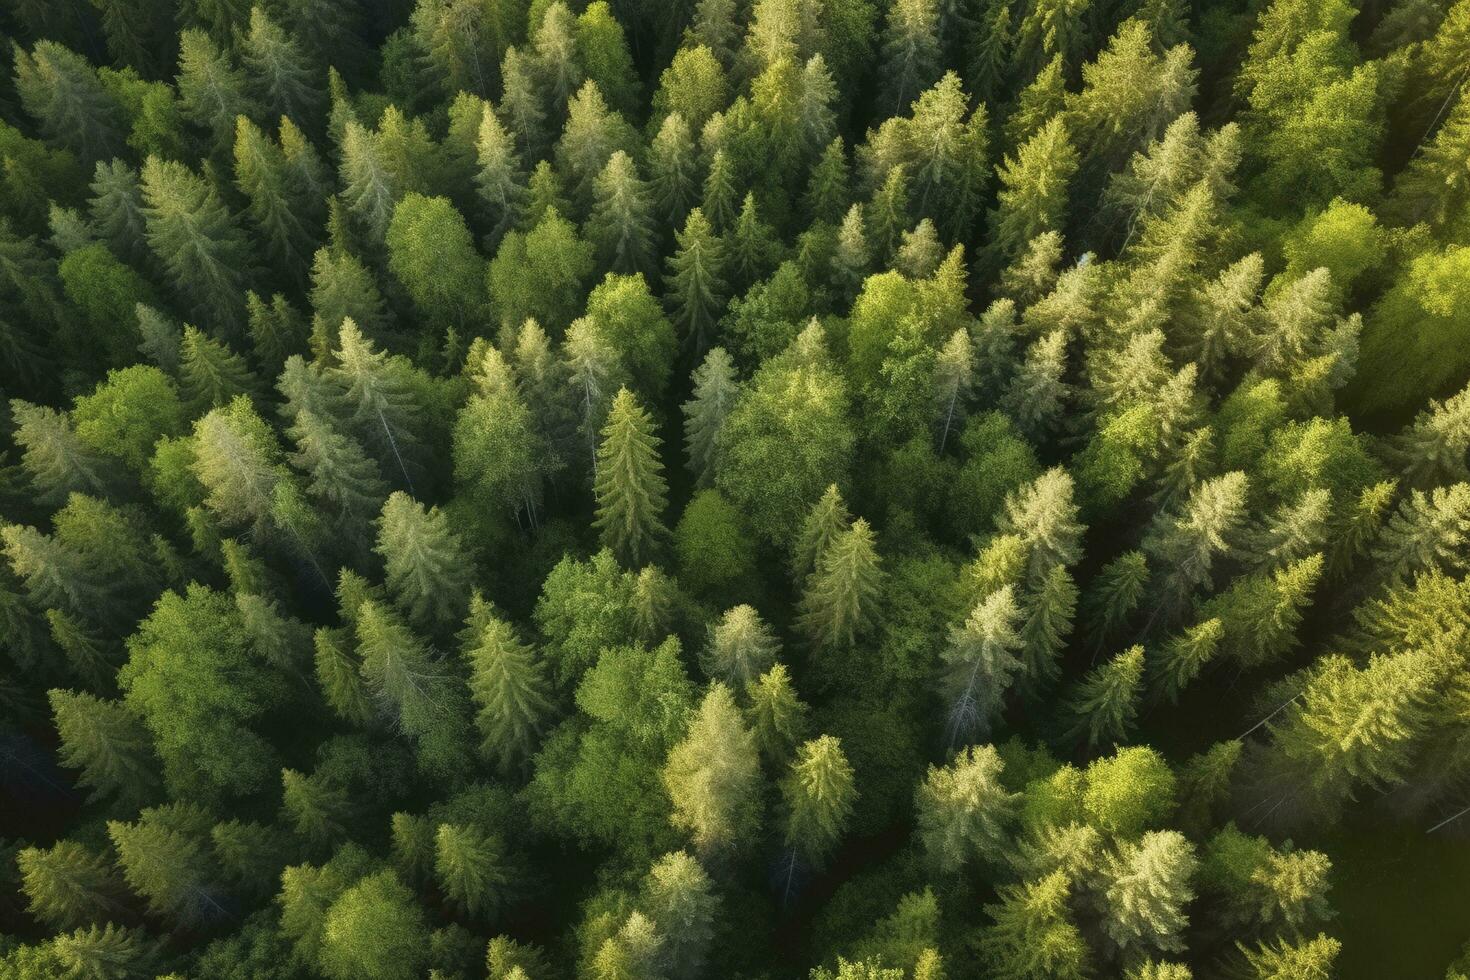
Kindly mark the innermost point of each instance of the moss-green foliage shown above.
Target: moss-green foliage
(854, 489)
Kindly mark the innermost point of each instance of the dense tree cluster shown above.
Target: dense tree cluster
(848, 489)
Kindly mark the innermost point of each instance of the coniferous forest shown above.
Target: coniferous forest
(761, 489)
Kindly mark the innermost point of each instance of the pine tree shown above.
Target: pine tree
(461, 41)
(851, 257)
(521, 104)
(105, 951)
(919, 253)
(629, 487)
(954, 374)
(720, 193)
(681, 900)
(281, 78)
(1038, 394)
(509, 685)
(1117, 592)
(342, 288)
(115, 210)
(827, 191)
(213, 92)
(315, 806)
(211, 375)
(741, 648)
(695, 281)
(1043, 515)
(1104, 704)
(1432, 187)
(777, 715)
(424, 563)
(67, 885)
(1187, 542)
(621, 225)
(818, 793)
(470, 867)
(964, 811)
(339, 474)
(197, 240)
(499, 178)
(1033, 198)
(1184, 656)
(164, 859)
(712, 776)
(107, 743)
(754, 247)
(383, 395)
(277, 330)
(1033, 935)
(339, 676)
(1261, 612)
(281, 212)
(827, 521)
(911, 52)
(715, 391)
(980, 662)
(673, 168)
(61, 91)
(1436, 448)
(1285, 959)
(555, 43)
(593, 133)
(1147, 886)
(1426, 532)
(839, 602)
(1048, 624)
(603, 48)
(416, 690)
(56, 461)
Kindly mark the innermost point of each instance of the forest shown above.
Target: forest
(751, 489)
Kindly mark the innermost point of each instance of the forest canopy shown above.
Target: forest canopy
(753, 489)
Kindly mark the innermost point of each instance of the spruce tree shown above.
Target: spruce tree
(741, 648)
(980, 662)
(500, 179)
(212, 90)
(424, 564)
(61, 91)
(964, 811)
(911, 52)
(681, 900)
(1033, 196)
(67, 885)
(470, 867)
(281, 78)
(1184, 656)
(715, 390)
(621, 224)
(1033, 934)
(1147, 886)
(777, 715)
(695, 284)
(1104, 704)
(825, 523)
(629, 488)
(210, 374)
(818, 793)
(107, 743)
(673, 167)
(712, 776)
(839, 601)
(510, 688)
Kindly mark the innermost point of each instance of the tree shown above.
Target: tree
(541, 274)
(431, 252)
(1037, 394)
(102, 950)
(673, 164)
(911, 55)
(67, 885)
(838, 603)
(1185, 655)
(741, 648)
(1104, 704)
(681, 900)
(197, 240)
(56, 460)
(1033, 198)
(1147, 888)
(415, 689)
(954, 372)
(424, 563)
(510, 688)
(777, 715)
(715, 392)
(818, 793)
(694, 283)
(211, 375)
(1436, 448)
(629, 485)
(500, 178)
(980, 662)
(107, 743)
(712, 776)
(498, 454)
(964, 811)
(470, 866)
(280, 74)
(374, 929)
(1310, 959)
(462, 39)
(213, 92)
(1425, 532)
(603, 48)
(163, 858)
(1187, 542)
(1043, 515)
(1033, 935)
(61, 91)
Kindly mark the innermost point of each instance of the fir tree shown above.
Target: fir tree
(1033, 934)
(510, 688)
(712, 775)
(838, 603)
(681, 900)
(629, 487)
(280, 75)
(621, 225)
(818, 793)
(695, 281)
(67, 885)
(499, 178)
(61, 91)
(964, 811)
(1104, 704)
(715, 390)
(425, 567)
(470, 867)
(777, 715)
(741, 648)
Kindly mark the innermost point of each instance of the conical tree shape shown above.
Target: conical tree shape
(715, 391)
(67, 885)
(981, 660)
(470, 868)
(211, 374)
(777, 716)
(1104, 704)
(712, 776)
(499, 178)
(621, 225)
(841, 597)
(680, 898)
(108, 744)
(282, 79)
(819, 793)
(425, 566)
(630, 488)
(510, 687)
(826, 522)
(56, 461)
(1033, 934)
(964, 811)
(741, 648)
(695, 281)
